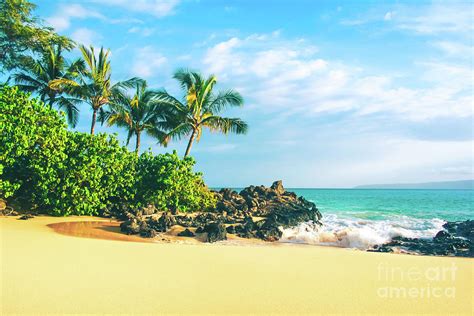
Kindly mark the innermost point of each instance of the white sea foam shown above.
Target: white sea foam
(361, 233)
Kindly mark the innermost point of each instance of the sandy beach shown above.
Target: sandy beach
(44, 272)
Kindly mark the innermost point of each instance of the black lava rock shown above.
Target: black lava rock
(148, 233)
(186, 233)
(130, 227)
(215, 232)
(274, 207)
(230, 229)
(456, 240)
(442, 234)
(26, 217)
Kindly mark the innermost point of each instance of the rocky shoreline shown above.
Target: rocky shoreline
(457, 239)
(261, 212)
(255, 212)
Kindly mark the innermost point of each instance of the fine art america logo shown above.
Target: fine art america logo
(415, 282)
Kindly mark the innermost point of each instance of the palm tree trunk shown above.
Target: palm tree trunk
(94, 118)
(137, 146)
(190, 143)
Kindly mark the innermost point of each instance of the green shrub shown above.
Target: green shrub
(64, 173)
(96, 174)
(170, 183)
(32, 141)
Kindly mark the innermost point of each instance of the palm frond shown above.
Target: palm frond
(160, 135)
(89, 57)
(206, 90)
(224, 99)
(61, 84)
(184, 77)
(69, 105)
(166, 99)
(225, 125)
(130, 83)
(178, 132)
(129, 135)
(75, 68)
(27, 82)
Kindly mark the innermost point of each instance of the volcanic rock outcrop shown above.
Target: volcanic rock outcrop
(255, 212)
(457, 239)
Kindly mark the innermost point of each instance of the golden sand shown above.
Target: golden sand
(44, 272)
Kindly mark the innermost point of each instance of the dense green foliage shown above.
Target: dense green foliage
(32, 139)
(63, 172)
(22, 34)
(96, 173)
(44, 165)
(170, 183)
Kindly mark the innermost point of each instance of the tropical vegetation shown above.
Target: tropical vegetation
(48, 77)
(22, 34)
(137, 113)
(95, 84)
(47, 166)
(200, 108)
(44, 166)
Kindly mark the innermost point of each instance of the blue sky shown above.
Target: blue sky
(337, 93)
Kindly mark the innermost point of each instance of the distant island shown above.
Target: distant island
(461, 184)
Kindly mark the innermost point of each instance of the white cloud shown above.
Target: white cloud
(428, 19)
(158, 8)
(85, 36)
(388, 16)
(288, 75)
(438, 18)
(62, 19)
(142, 31)
(373, 16)
(221, 56)
(400, 160)
(455, 49)
(147, 61)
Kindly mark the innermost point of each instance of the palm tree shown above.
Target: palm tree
(200, 108)
(48, 77)
(95, 85)
(138, 113)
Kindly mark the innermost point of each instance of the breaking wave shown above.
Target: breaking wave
(361, 233)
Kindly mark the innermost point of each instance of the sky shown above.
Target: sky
(337, 93)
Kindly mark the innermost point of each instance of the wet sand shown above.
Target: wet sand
(95, 229)
(110, 230)
(45, 272)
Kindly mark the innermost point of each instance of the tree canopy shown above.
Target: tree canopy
(200, 108)
(23, 34)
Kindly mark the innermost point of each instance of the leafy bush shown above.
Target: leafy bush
(63, 172)
(96, 174)
(32, 141)
(169, 183)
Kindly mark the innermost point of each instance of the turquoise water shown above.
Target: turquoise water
(362, 218)
(449, 205)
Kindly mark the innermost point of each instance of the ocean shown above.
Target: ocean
(361, 218)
